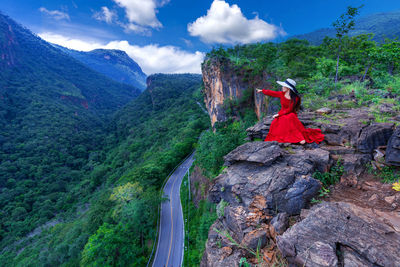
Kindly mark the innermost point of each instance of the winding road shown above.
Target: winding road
(170, 245)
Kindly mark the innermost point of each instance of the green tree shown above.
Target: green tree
(389, 53)
(343, 25)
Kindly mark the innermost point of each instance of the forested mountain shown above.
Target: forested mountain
(53, 116)
(382, 25)
(115, 64)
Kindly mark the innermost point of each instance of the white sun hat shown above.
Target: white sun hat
(289, 83)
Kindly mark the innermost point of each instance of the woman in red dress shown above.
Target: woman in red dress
(286, 126)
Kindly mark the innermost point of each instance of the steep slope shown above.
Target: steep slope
(53, 116)
(383, 25)
(110, 216)
(115, 64)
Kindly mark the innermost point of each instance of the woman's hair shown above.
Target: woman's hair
(295, 100)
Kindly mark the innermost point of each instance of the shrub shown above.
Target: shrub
(331, 177)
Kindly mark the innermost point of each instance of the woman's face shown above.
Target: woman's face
(284, 89)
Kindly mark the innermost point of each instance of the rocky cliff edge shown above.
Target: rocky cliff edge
(266, 196)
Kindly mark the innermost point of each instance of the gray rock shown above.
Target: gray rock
(257, 152)
(353, 163)
(374, 135)
(299, 194)
(286, 185)
(392, 155)
(217, 252)
(358, 235)
(260, 129)
(387, 108)
(235, 221)
(280, 222)
(333, 139)
(255, 238)
(324, 111)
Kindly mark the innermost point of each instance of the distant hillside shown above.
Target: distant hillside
(383, 25)
(53, 116)
(115, 64)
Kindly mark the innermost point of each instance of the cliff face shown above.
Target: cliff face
(222, 82)
(7, 44)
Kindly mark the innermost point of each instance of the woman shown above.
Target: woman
(286, 126)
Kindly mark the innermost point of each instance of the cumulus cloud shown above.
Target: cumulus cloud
(56, 14)
(68, 42)
(151, 58)
(161, 59)
(106, 15)
(141, 12)
(131, 27)
(227, 25)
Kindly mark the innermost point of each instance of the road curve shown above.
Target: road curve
(169, 251)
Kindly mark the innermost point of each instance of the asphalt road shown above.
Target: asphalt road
(170, 245)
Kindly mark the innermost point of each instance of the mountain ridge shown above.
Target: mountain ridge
(113, 63)
(382, 24)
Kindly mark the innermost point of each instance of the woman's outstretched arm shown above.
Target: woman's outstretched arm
(272, 93)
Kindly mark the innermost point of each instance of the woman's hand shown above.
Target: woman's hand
(276, 115)
(258, 90)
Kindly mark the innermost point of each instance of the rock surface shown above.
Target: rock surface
(392, 155)
(341, 233)
(256, 152)
(286, 185)
(324, 111)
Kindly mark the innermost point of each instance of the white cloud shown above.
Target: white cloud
(165, 59)
(151, 58)
(56, 14)
(106, 15)
(226, 24)
(187, 42)
(141, 12)
(130, 27)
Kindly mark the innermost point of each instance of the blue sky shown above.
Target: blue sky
(172, 36)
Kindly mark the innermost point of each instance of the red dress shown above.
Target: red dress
(287, 128)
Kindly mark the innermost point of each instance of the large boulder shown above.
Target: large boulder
(392, 155)
(338, 233)
(245, 226)
(374, 135)
(218, 251)
(257, 152)
(353, 164)
(260, 129)
(287, 184)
